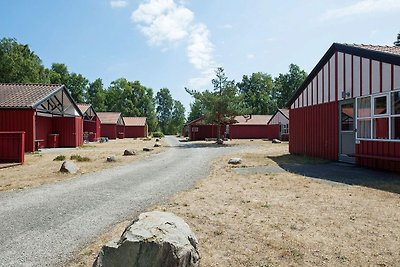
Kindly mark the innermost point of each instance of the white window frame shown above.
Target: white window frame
(373, 116)
(284, 128)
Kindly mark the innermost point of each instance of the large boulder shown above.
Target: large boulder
(235, 161)
(276, 141)
(111, 158)
(157, 239)
(157, 144)
(69, 167)
(148, 149)
(129, 152)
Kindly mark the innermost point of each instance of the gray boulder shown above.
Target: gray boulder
(69, 167)
(235, 161)
(157, 140)
(276, 141)
(111, 158)
(157, 239)
(157, 144)
(148, 149)
(129, 152)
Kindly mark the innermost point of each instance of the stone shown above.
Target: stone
(276, 141)
(111, 158)
(157, 239)
(157, 140)
(235, 161)
(148, 149)
(157, 144)
(129, 152)
(69, 167)
(220, 141)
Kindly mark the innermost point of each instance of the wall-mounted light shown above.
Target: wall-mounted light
(345, 94)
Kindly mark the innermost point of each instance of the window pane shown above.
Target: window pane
(364, 107)
(396, 128)
(381, 128)
(396, 102)
(380, 105)
(364, 128)
(347, 123)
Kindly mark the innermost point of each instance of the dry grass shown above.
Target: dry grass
(40, 168)
(282, 219)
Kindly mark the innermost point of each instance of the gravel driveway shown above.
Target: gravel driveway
(45, 226)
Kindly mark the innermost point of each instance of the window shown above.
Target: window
(378, 117)
(284, 128)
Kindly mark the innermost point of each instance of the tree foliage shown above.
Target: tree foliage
(287, 84)
(96, 95)
(164, 106)
(196, 110)
(177, 118)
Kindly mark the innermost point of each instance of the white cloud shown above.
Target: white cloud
(119, 4)
(200, 48)
(363, 7)
(198, 83)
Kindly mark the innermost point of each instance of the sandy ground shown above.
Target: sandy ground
(39, 167)
(282, 219)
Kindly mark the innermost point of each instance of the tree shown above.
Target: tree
(223, 103)
(196, 110)
(164, 106)
(397, 43)
(287, 84)
(177, 118)
(18, 64)
(77, 86)
(58, 73)
(96, 95)
(259, 94)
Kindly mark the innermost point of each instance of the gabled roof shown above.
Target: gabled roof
(83, 107)
(253, 120)
(284, 112)
(387, 54)
(135, 121)
(109, 117)
(26, 95)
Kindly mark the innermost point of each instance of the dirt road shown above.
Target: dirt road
(45, 226)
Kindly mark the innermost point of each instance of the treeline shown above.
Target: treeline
(18, 64)
(260, 92)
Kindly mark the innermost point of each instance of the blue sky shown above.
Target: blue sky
(179, 43)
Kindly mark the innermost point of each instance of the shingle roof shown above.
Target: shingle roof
(395, 50)
(83, 107)
(25, 95)
(254, 120)
(135, 121)
(108, 117)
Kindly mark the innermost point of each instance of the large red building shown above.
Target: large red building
(91, 122)
(252, 127)
(46, 113)
(348, 108)
(135, 127)
(112, 125)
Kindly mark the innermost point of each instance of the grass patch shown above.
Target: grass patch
(59, 158)
(158, 134)
(79, 158)
(86, 146)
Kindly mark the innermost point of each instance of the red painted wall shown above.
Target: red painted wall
(205, 131)
(20, 120)
(109, 130)
(385, 150)
(253, 131)
(314, 131)
(12, 147)
(92, 127)
(44, 127)
(135, 131)
(121, 131)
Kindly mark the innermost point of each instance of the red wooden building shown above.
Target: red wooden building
(252, 127)
(46, 113)
(91, 122)
(281, 118)
(199, 130)
(112, 125)
(348, 108)
(135, 127)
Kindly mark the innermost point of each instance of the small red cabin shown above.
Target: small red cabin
(135, 127)
(281, 119)
(348, 108)
(91, 122)
(252, 127)
(46, 113)
(199, 130)
(112, 125)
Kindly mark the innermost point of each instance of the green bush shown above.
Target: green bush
(79, 158)
(158, 134)
(59, 158)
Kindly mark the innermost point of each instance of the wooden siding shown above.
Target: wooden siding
(93, 128)
(20, 120)
(12, 147)
(135, 131)
(379, 155)
(204, 131)
(109, 130)
(314, 131)
(253, 131)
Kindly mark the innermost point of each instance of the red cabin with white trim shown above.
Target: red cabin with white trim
(112, 125)
(281, 119)
(348, 108)
(91, 122)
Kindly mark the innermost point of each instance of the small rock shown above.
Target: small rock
(148, 149)
(157, 144)
(129, 152)
(157, 140)
(69, 167)
(111, 158)
(276, 141)
(235, 161)
(220, 141)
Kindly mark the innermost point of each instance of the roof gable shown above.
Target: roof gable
(253, 120)
(110, 118)
(386, 54)
(284, 112)
(135, 121)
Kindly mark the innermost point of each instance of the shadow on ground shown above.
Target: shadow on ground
(339, 172)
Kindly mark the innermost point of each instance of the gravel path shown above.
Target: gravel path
(45, 226)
